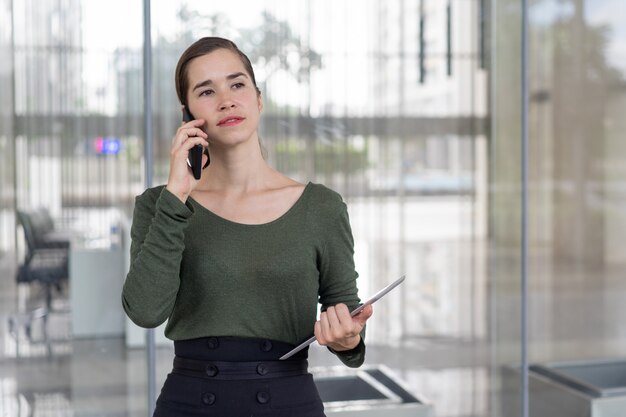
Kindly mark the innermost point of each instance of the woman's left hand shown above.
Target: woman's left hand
(338, 330)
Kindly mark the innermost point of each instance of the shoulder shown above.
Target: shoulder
(325, 200)
(158, 199)
(150, 194)
(149, 197)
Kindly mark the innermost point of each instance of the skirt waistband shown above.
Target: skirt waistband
(231, 348)
(223, 370)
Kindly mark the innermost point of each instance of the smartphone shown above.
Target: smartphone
(194, 159)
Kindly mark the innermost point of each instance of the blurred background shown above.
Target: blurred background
(411, 109)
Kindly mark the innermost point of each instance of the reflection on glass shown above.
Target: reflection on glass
(344, 106)
(66, 149)
(577, 186)
(7, 219)
(505, 263)
(578, 97)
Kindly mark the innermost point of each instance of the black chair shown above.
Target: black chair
(46, 264)
(44, 234)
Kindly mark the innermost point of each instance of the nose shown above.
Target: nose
(225, 106)
(226, 102)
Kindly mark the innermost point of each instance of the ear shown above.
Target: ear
(260, 102)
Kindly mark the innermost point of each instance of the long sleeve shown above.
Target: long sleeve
(338, 277)
(209, 276)
(157, 233)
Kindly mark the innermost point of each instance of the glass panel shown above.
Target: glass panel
(71, 164)
(358, 96)
(578, 99)
(7, 197)
(505, 209)
(344, 106)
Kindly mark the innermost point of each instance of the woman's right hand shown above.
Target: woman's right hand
(181, 180)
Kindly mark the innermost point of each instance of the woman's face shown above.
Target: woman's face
(222, 93)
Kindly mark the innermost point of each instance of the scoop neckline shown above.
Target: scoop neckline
(286, 214)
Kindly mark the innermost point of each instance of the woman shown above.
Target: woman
(237, 260)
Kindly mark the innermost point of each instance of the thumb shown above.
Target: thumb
(364, 315)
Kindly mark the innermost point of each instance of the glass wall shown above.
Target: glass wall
(7, 221)
(578, 97)
(385, 102)
(577, 129)
(391, 114)
(70, 166)
(411, 109)
(575, 210)
(390, 111)
(505, 205)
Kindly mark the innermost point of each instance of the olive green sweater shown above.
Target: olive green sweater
(209, 276)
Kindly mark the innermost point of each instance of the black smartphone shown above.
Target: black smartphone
(195, 153)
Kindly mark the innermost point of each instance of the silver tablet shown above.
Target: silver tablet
(380, 294)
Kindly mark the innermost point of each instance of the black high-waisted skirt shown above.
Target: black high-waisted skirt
(237, 377)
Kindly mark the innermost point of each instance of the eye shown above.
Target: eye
(237, 86)
(206, 93)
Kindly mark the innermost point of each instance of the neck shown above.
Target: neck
(236, 169)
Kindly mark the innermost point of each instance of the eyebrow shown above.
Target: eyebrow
(228, 77)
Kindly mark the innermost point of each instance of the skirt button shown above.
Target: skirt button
(266, 346)
(262, 397)
(261, 369)
(208, 398)
(213, 343)
(211, 370)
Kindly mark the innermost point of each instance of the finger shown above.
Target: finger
(190, 132)
(187, 130)
(182, 150)
(364, 315)
(333, 322)
(194, 131)
(325, 328)
(193, 141)
(337, 329)
(348, 323)
(319, 335)
(191, 123)
(184, 141)
(343, 314)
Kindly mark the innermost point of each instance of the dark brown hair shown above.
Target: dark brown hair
(202, 47)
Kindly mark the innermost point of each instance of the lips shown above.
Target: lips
(230, 121)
